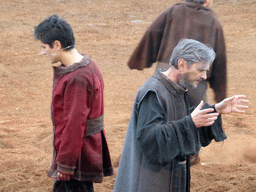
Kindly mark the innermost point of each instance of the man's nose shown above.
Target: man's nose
(204, 75)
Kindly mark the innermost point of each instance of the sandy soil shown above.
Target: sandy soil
(108, 31)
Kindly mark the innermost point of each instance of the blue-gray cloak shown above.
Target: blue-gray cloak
(160, 138)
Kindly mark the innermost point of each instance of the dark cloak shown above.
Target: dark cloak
(160, 138)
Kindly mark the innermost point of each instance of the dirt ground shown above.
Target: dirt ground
(109, 30)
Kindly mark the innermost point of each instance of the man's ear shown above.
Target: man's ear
(182, 65)
(57, 45)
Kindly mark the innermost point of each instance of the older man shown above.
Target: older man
(162, 132)
(193, 19)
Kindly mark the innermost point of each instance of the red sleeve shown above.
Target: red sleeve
(76, 110)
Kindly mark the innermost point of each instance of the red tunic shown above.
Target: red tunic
(78, 97)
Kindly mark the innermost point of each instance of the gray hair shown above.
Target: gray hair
(192, 51)
(197, 1)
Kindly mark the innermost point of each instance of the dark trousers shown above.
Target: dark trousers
(73, 186)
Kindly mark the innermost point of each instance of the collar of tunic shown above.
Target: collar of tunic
(169, 84)
(63, 69)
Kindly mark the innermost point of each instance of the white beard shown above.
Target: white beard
(185, 83)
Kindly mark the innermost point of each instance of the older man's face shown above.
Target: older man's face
(194, 74)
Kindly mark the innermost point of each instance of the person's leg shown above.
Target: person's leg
(61, 186)
(86, 186)
(73, 186)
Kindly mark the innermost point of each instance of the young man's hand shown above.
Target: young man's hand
(61, 176)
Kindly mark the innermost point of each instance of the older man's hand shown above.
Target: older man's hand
(204, 117)
(234, 104)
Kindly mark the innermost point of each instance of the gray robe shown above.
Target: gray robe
(160, 137)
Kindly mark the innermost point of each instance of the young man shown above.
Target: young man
(162, 133)
(81, 154)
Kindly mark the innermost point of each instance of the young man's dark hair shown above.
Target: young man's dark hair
(55, 28)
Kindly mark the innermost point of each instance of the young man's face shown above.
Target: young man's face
(194, 74)
(50, 52)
